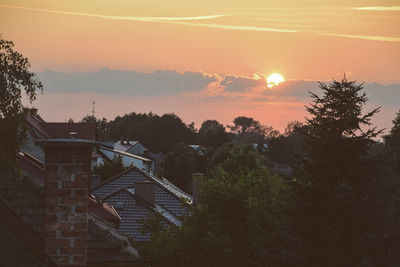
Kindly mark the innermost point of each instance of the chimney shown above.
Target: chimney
(197, 180)
(121, 140)
(146, 191)
(67, 164)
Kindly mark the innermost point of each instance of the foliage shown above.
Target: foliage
(212, 134)
(110, 168)
(289, 146)
(392, 141)
(158, 133)
(15, 78)
(251, 131)
(337, 191)
(102, 127)
(240, 221)
(181, 163)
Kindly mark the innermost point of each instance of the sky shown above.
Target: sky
(204, 59)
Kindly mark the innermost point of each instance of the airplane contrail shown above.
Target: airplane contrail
(129, 18)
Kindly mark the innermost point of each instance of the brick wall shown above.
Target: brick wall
(66, 202)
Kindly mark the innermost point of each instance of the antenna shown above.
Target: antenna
(93, 110)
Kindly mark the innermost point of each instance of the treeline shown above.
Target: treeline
(188, 150)
(340, 208)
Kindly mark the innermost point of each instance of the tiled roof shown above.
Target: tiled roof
(62, 130)
(103, 210)
(122, 152)
(119, 191)
(41, 129)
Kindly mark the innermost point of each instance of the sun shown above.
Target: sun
(274, 79)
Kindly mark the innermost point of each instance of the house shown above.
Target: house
(132, 147)
(37, 128)
(128, 159)
(136, 194)
(49, 219)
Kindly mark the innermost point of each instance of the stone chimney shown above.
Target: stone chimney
(67, 164)
(197, 180)
(146, 191)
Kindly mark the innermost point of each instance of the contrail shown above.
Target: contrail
(378, 8)
(184, 21)
(129, 18)
(363, 37)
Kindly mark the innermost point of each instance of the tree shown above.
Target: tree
(239, 222)
(336, 186)
(392, 141)
(110, 168)
(15, 78)
(212, 134)
(158, 133)
(102, 127)
(181, 163)
(251, 131)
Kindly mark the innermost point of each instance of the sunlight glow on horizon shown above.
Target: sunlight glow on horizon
(274, 79)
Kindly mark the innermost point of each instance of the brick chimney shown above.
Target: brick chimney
(66, 199)
(146, 191)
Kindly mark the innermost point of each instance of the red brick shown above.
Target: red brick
(58, 192)
(74, 233)
(50, 234)
(80, 242)
(58, 209)
(62, 259)
(80, 226)
(51, 200)
(71, 251)
(74, 200)
(56, 242)
(80, 259)
(50, 218)
(81, 208)
(80, 192)
(81, 184)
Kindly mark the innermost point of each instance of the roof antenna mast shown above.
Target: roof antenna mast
(93, 110)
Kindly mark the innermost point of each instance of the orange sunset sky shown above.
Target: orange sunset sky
(204, 59)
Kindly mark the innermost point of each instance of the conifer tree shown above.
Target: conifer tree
(336, 181)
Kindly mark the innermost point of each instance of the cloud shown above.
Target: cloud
(298, 90)
(234, 83)
(199, 85)
(106, 81)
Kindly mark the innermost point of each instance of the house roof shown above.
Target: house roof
(20, 244)
(164, 183)
(125, 145)
(62, 130)
(42, 130)
(119, 191)
(103, 210)
(123, 153)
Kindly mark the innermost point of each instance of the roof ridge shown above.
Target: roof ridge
(113, 178)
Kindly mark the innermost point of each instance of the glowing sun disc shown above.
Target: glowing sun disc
(274, 79)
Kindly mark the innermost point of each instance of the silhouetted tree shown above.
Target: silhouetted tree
(240, 221)
(337, 198)
(110, 168)
(158, 133)
(212, 134)
(15, 78)
(181, 163)
(102, 127)
(392, 140)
